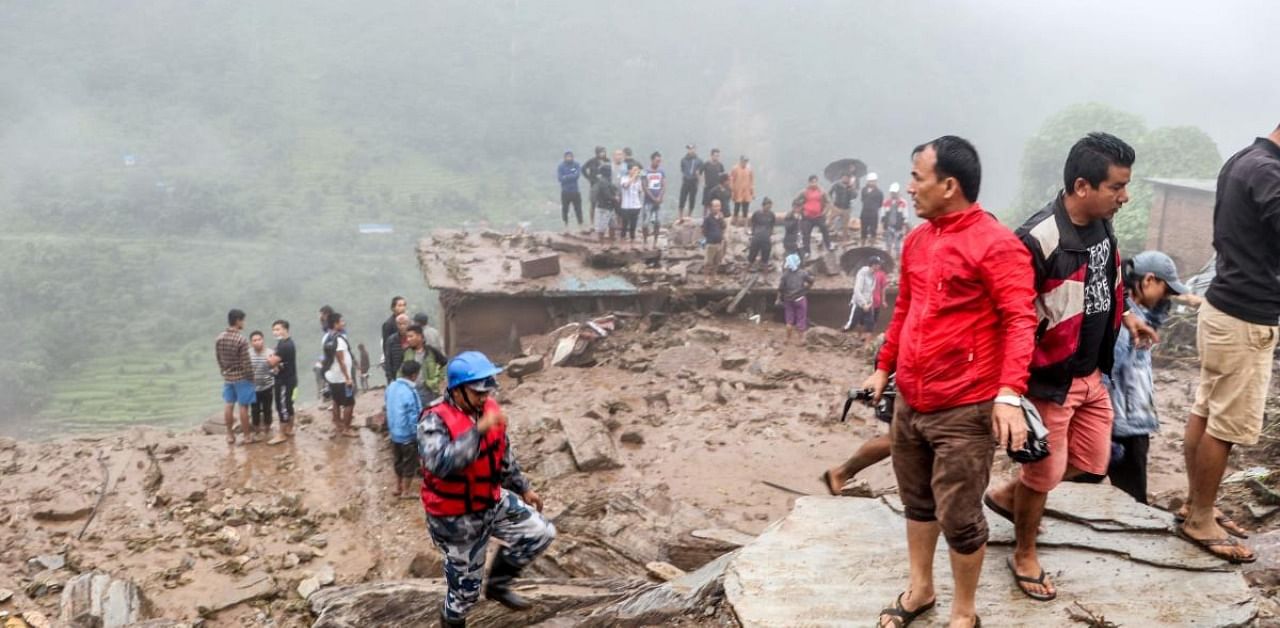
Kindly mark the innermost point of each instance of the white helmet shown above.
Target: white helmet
(894, 188)
(872, 177)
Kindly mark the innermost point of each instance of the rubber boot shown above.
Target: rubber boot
(445, 622)
(499, 587)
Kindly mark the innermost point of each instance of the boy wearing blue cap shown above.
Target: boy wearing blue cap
(473, 489)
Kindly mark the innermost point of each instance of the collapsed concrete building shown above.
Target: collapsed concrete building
(496, 288)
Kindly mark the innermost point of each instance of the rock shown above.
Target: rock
(805, 571)
(727, 536)
(46, 561)
(99, 600)
(656, 320)
(734, 362)
(255, 586)
(522, 367)
(819, 336)
(556, 464)
(590, 444)
(321, 578)
(632, 438)
(1260, 512)
(165, 623)
(712, 393)
(1265, 572)
(36, 619)
(318, 541)
(663, 571)
(426, 565)
(7, 443)
(62, 508)
(709, 334)
(857, 488)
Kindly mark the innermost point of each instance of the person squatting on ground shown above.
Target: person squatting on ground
(264, 383)
(337, 366)
(762, 222)
(605, 194)
(1236, 338)
(568, 172)
(404, 406)
(655, 189)
(1150, 280)
(232, 352)
(960, 341)
(285, 362)
(814, 203)
(872, 201)
(1079, 301)
(473, 489)
(690, 170)
(713, 233)
(742, 189)
(793, 295)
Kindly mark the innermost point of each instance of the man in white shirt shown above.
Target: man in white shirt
(338, 375)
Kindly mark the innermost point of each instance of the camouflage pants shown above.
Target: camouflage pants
(463, 540)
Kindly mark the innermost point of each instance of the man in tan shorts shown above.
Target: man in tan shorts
(1236, 338)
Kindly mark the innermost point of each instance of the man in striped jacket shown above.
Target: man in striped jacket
(1080, 306)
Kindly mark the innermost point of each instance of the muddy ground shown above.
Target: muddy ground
(698, 413)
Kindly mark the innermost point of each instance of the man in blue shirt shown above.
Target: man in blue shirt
(568, 173)
(404, 405)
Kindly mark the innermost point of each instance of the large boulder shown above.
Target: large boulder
(590, 443)
(819, 336)
(99, 600)
(523, 367)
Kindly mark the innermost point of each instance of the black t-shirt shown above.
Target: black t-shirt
(872, 199)
(713, 229)
(842, 195)
(288, 362)
(1246, 235)
(762, 225)
(1099, 291)
(711, 172)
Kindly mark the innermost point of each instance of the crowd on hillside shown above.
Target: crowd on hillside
(995, 335)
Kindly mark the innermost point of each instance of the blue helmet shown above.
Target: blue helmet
(472, 367)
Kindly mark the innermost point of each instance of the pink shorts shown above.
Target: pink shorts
(1079, 434)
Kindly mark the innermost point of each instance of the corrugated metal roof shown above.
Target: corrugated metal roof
(1201, 185)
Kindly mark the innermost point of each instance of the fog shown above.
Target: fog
(161, 162)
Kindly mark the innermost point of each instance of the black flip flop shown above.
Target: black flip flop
(1021, 580)
(997, 508)
(1227, 524)
(826, 483)
(902, 617)
(1208, 545)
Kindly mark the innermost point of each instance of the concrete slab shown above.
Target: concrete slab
(836, 561)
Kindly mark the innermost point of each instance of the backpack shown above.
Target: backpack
(331, 351)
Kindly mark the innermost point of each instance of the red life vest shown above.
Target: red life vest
(475, 488)
(812, 202)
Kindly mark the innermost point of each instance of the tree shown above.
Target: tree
(1181, 151)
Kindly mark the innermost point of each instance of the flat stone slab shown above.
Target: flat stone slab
(836, 561)
(1153, 547)
(1103, 507)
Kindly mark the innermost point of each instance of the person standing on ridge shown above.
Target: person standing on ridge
(712, 172)
(286, 364)
(473, 489)
(872, 201)
(690, 170)
(339, 369)
(655, 189)
(591, 170)
(762, 223)
(842, 194)
(742, 186)
(632, 204)
(264, 382)
(814, 203)
(232, 352)
(895, 220)
(568, 172)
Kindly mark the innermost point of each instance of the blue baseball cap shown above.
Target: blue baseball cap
(1162, 267)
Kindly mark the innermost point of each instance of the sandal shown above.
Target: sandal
(996, 508)
(1208, 545)
(1227, 524)
(1022, 581)
(901, 617)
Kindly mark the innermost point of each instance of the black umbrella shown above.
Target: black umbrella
(841, 167)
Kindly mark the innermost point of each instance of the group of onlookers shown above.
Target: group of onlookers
(991, 325)
(257, 377)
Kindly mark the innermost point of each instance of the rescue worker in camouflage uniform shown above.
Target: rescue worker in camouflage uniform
(473, 489)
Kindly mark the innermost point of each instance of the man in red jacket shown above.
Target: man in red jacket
(960, 341)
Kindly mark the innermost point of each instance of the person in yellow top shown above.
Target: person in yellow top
(742, 188)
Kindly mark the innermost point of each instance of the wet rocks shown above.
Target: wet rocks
(632, 438)
(323, 577)
(590, 444)
(663, 571)
(5, 594)
(255, 586)
(46, 561)
(99, 600)
(523, 367)
(819, 336)
(62, 508)
(1266, 571)
(708, 334)
(425, 565)
(734, 362)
